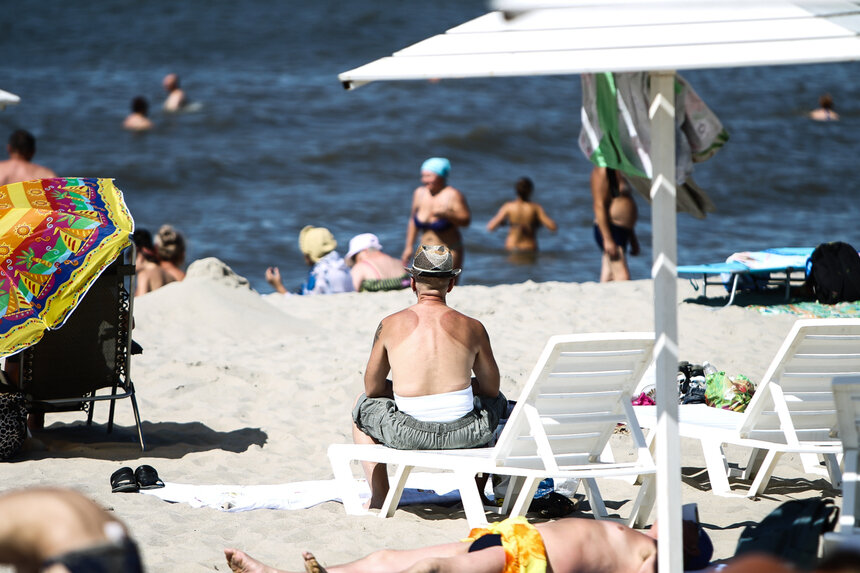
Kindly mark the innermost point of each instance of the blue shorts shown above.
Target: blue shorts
(621, 236)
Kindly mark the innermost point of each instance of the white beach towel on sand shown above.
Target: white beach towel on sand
(424, 488)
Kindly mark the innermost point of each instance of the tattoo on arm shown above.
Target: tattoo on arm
(378, 333)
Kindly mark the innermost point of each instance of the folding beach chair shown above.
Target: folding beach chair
(780, 266)
(64, 370)
(578, 392)
(792, 411)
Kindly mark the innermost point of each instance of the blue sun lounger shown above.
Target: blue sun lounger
(754, 272)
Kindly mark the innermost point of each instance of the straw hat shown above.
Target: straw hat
(433, 261)
(316, 242)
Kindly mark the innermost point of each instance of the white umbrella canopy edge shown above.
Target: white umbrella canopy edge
(7, 98)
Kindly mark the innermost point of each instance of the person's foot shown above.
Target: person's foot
(241, 562)
(311, 563)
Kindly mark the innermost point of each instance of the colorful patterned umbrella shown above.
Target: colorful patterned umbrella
(56, 237)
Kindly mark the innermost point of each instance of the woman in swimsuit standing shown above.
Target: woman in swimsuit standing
(438, 212)
(524, 216)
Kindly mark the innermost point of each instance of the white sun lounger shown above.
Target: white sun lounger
(577, 394)
(792, 409)
(846, 391)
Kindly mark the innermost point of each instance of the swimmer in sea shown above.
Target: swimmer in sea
(438, 211)
(524, 217)
(615, 217)
(825, 110)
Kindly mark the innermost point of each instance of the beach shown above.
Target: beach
(238, 388)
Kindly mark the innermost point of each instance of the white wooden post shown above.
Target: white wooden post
(664, 274)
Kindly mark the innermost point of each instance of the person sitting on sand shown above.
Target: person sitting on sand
(431, 401)
(52, 529)
(825, 110)
(328, 272)
(20, 166)
(175, 96)
(524, 216)
(150, 274)
(170, 247)
(615, 217)
(137, 120)
(371, 269)
(569, 545)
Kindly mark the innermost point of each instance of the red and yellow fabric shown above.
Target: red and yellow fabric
(56, 237)
(524, 549)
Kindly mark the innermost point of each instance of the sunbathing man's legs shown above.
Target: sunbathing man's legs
(450, 557)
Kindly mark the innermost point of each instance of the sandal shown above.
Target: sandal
(147, 478)
(122, 480)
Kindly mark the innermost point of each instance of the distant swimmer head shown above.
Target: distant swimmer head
(361, 243)
(826, 101)
(170, 82)
(524, 188)
(140, 105)
(438, 165)
(316, 242)
(433, 261)
(23, 143)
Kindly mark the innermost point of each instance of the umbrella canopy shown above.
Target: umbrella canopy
(552, 37)
(56, 237)
(7, 98)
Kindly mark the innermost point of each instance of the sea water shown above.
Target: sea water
(274, 142)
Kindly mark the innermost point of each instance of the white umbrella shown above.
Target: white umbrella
(7, 98)
(552, 37)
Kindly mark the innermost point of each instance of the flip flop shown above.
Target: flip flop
(311, 564)
(147, 478)
(122, 480)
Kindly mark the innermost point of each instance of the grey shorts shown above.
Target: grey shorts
(380, 419)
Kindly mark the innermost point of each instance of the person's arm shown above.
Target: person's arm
(601, 198)
(485, 368)
(378, 367)
(499, 218)
(142, 284)
(273, 277)
(456, 210)
(545, 219)
(358, 275)
(411, 231)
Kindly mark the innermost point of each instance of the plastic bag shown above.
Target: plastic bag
(722, 391)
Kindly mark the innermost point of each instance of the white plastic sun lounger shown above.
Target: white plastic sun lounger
(846, 391)
(579, 391)
(792, 409)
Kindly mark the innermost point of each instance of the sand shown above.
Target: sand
(239, 388)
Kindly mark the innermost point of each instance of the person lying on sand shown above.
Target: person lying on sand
(56, 530)
(431, 401)
(569, 545)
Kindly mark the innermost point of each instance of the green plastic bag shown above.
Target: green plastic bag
(722, 391)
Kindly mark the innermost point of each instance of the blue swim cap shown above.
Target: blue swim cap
(438, 165)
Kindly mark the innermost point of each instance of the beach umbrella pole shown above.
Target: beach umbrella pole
(664, 274)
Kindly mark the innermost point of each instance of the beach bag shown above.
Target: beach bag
(13, 422)
(791, 531)
(834, 273)
(722, 391)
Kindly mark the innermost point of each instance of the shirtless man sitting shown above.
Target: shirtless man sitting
(524, 216)
(431, 401)
(57, 530)
(20, 166)
(571, 545)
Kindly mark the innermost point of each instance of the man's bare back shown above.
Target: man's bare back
(15, 170)
(431, 349)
